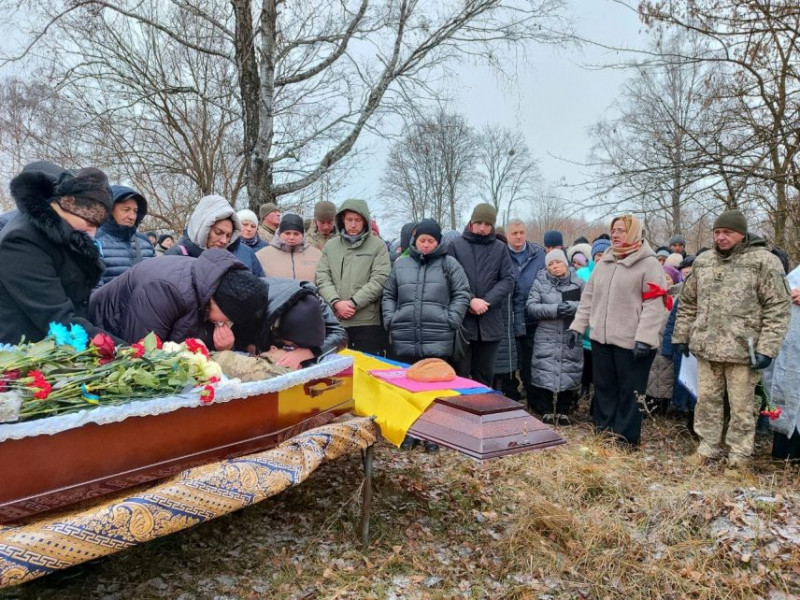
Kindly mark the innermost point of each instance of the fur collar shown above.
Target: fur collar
(33, 192)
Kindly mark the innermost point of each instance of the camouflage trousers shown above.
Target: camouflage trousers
(713, 380)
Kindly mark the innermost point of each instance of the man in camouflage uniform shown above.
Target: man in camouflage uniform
(734, 313)
(270, 216)
(323, 226)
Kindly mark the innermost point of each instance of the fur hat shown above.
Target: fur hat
(733, 220)
(267, 208)
(324, 211)
(484, 213)
(555, 254)
(247, 215)
(553, 239)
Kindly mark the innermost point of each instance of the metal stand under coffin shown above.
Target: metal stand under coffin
(483, 426)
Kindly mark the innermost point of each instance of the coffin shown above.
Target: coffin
(55, 462)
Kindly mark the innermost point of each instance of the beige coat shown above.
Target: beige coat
(612, 303)
(298, 262)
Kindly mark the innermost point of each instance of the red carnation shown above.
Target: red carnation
(39, 384)
(207, 395)
(8, 377)
(159, 343)
(196, 346)
(772, 414)
(105, 347)
(138, 349)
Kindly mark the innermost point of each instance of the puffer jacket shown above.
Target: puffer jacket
(123, 246)
(354, 270)
(167, 296)
(661, 378)
(424, 303)
(527, 270)
(283, 293)
(727, 300)
(486, 262)
(612, 303)
(555, 367)
(290, 262)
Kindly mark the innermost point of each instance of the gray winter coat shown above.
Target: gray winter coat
(424, 303)
(555, 366)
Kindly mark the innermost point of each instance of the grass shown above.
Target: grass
(585, 520)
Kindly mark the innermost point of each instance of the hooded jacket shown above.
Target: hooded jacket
(283, 293)
(299, 262)
(209, 210)
(168, 296)
(612, 305)
(727, 300)
(555, 366)
(424, 303)
(123, 246)
(486, 262)
(354, 270)
(48, 268)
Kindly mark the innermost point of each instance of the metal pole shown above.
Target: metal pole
(366, 500)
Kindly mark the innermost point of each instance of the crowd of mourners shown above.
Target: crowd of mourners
(609, 321)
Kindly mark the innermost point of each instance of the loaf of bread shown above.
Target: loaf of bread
(430, 370)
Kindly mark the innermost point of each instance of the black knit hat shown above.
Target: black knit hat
(429, 227)
(733, 220)
(242, 297)
(291, 222)
(163, 237)
(303, 323)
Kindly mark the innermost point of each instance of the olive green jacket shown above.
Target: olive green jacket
(729, 299)
(354, 270)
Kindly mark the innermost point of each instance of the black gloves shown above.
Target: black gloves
(680, 349)
(573, 338)
(762, 361)
(641, 350)
(565, 310)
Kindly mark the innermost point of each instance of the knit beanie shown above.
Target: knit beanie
(247, 215)
(291, 222)
(553, 238)
(677, 239)
(267, 208)
(324, 211)
(303, 323)
(674, 259)
(687, 262)
(242, 297)
(733, 220)
(164, 236)
(429, 227)
(673, 273)
(485, 213)
(555, 254)
(600, 245)
(665, 252)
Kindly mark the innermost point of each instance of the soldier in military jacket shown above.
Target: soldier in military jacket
(733, 315)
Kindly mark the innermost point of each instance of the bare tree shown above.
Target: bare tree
(508, 172)
(311, 74)
(430, 170)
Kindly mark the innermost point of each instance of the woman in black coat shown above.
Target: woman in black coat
(50, 262)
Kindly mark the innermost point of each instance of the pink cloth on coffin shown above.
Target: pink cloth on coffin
(398, 377)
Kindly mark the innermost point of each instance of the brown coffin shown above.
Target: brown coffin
(483, 426)
(44, 472)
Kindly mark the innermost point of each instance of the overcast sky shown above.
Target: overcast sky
(556, 97)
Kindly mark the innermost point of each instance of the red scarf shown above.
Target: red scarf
(655, 291)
